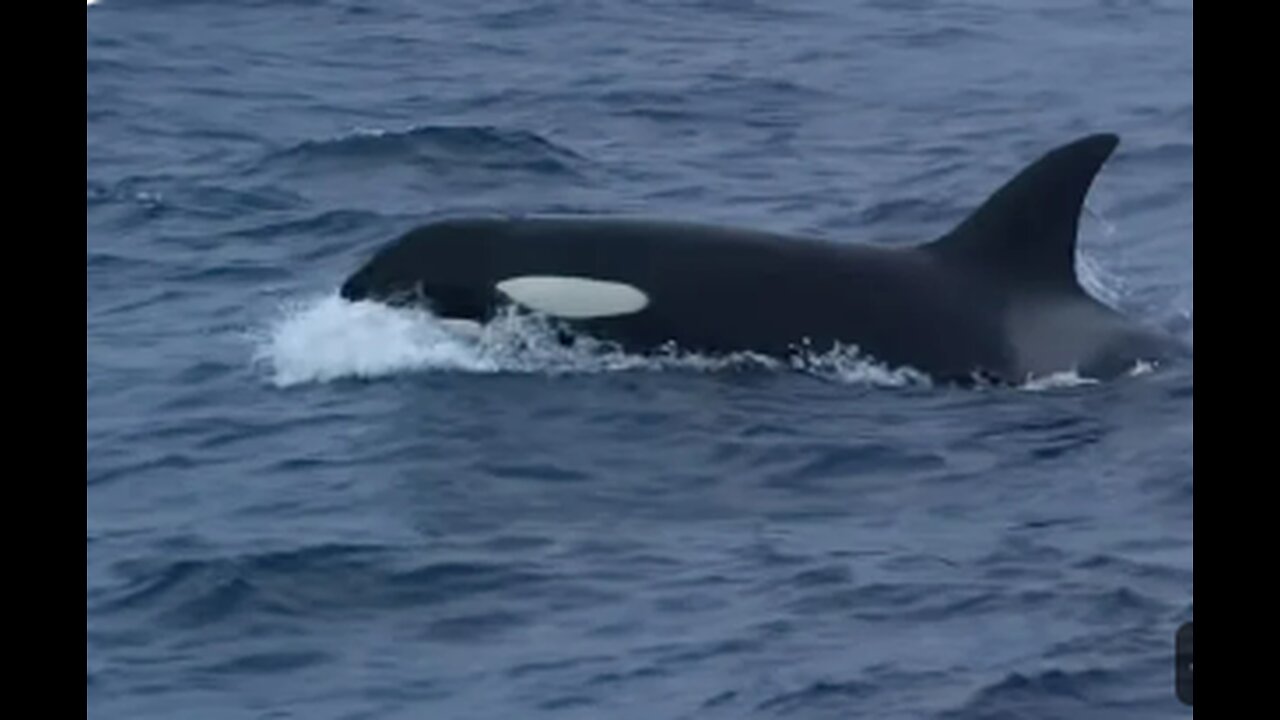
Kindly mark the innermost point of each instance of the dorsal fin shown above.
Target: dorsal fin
(1025, 232)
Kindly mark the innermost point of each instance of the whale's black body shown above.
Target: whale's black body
(996, 297)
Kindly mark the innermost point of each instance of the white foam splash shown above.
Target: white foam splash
(329, 338)
(1141, 368)
(1073, 378)
(326, 338)
(845, 364)
(1108, 227)
(1099, 282)
(1057, 381)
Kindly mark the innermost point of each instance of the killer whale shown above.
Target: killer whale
(996, 297)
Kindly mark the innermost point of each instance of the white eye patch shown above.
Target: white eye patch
(574, 297)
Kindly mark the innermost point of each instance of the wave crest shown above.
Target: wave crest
(432, 146)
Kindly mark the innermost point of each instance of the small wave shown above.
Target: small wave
(522, 18)
(159, 194)
(819, 695)
(434, 146)
(192, 592)
(111, 262)
(1073, 379)
(1057, 381)
(906, 211)
(1052, 693)
(1162, 155)
(326, 338)
(260, 663)
(324, 224)
(750, 9)
(1174, 313)
(1100, 282)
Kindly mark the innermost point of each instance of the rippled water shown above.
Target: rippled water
(302, 507)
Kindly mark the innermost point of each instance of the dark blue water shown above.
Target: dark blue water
(299, 507)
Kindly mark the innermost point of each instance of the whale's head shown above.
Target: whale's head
(439, 267)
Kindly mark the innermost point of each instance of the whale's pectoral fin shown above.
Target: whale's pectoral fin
(1024, 235)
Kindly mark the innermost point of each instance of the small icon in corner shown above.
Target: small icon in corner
(1185, 664)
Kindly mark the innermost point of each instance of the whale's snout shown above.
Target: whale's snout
(355, 288)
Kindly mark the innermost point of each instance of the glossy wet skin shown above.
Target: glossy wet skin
(995, 297)
(710, 289)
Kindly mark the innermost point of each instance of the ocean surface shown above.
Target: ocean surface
(300, 507)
